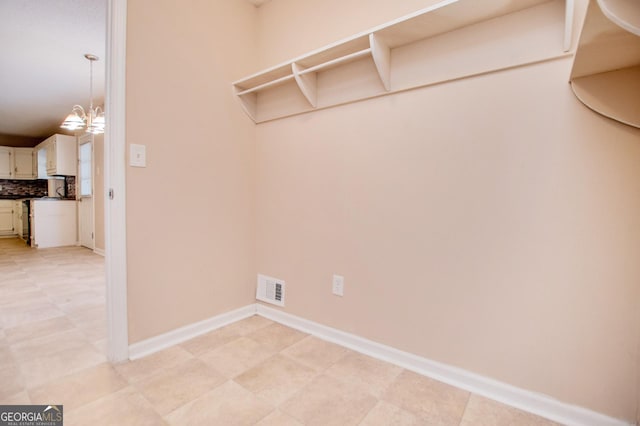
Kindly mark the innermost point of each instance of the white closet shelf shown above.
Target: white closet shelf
(436, 44)
(606, 70)
(267, 84)
(625, 13)
(337, 61)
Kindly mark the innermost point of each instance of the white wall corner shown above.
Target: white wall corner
(182, 334)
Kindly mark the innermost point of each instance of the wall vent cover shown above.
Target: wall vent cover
(270, 290)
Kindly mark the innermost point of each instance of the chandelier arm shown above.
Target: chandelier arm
(79, 111)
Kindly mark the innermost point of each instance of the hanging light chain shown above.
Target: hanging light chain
(93, 119)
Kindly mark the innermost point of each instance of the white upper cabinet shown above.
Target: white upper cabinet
(444, 42)
(17, 163)
(59, 155)
(6, 162)
(24, 163)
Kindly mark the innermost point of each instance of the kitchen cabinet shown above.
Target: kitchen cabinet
(17, 163)
(54, 223)
(24, 163)
(41, 162)
(17, 218)
(6, 162)
(6, 217)
(59, 155)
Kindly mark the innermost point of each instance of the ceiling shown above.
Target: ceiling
(44, 72)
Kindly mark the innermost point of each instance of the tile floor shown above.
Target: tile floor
(253, 372)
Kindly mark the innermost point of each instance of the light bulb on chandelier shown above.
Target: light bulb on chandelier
(93, 119)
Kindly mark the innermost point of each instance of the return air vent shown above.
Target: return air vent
(270, 290)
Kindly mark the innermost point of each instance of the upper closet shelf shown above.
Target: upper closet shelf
(450, 40)
(606, 70)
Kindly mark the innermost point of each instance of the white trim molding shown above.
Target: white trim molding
(99, 252)
(114, 179)
(182, 334)
(569, 11)
(539, 404)
(532, 402)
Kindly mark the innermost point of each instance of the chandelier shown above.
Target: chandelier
(92, 119)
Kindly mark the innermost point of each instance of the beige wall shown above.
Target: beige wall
(190, 233)
(491, 224)
(98, 185)
(289, 28)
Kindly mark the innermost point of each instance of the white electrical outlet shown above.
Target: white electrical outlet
(338, 285)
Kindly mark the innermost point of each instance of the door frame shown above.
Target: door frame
(115, 183)
(87, 138)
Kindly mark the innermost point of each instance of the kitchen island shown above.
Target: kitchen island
(54, 222)
(41, 222)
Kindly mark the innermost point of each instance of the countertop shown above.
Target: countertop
(14, 197)
(30, 197)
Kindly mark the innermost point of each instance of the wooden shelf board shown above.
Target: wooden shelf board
(442, 17)
(604, 46)
(612, 94)
(341, 60)
(625, 13)
(447, 16)
(481, 47)
(268, 84)
(263, 77)
(381, 93)
(333, 52)
(314, 80)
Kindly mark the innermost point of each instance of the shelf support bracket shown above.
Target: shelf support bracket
(382, 58)
(249, 102)
(307, 83)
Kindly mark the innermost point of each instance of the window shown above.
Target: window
(85, 170)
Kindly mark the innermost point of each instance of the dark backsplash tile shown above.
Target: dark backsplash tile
(26, 188)
(70, 182)
(33, 188)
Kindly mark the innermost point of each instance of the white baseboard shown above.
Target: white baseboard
(99, 252)
(179, 335)
(539, 404)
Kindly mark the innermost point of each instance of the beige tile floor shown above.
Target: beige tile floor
(253, 372)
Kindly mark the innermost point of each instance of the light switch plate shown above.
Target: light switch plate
(137, 155)
(337, 286)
